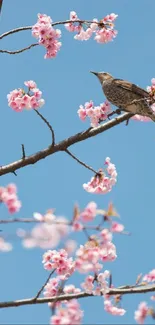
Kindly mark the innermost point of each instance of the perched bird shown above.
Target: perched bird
(125, 95)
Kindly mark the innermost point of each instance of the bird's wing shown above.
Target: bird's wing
(131, 87)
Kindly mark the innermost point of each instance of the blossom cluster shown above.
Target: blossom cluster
(103, 29)
(100, 280)
(151, 91)
(18, 99)
(141, 313)
(47, 233)
(69, 314)
(8, 195)
(48, 36)
(97, 250)
(112, 309)
(96, 114)
(59, 261)
(101, 183)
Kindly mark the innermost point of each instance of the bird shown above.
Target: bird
(125, 95)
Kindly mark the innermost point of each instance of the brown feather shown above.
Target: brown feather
(131, 87)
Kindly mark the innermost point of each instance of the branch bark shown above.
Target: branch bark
(118, 291)
(63, 145)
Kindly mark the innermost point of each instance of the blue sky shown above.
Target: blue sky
(57, 181)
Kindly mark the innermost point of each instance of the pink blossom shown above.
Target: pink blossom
(51, 289)
(141, 313)
(88, 285)
(113, 309)
(89, 212)
(60, 262)
(103, 29)
(30, 84)
(150, 277)
(87, 259)
(19, 100)
(70, 246)
(70, 288)
(104, 35)
(96, 114)
(47, 35)
(101, 183)
(8, 195)
(83, 35)
(70, 314)
(108, 252)
(77, 226)
(117, 227)
(106, 235)
(48, 233)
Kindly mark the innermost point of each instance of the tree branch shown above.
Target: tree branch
(20, 29)
(80, 162)
(43, 286)
(48, 124)
(63, 145)
(1, 3)
(19, 51)
(115, 291)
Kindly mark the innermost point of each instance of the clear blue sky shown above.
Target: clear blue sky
(57, 181)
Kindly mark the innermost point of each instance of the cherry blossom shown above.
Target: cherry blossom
(69, 314)
(8, 195)
(59, 261)
(48, 36)
(116, 227)
(96, 114)
(18, 99)
(150, 277)
(101, 183)
(47, 234)
(89, 213)
(114, 310)
(141, 313)
(96, 285)
(103, 30)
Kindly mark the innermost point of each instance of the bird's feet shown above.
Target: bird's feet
(117, 111)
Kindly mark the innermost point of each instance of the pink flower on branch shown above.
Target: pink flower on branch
(47, 35)
(100, 183)
(18, 99)
(97, 114)
(103, 30)
(59, 260)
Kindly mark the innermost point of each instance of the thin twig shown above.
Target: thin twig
(15, 30)
(19, 51)
(20, 29)
(23, 152)
(80, 162)
(1, 3)
(112, 291)
(49, 126)
(63, 145)
(14, 173)
(42, 288)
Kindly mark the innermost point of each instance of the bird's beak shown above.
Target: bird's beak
(96, 73)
